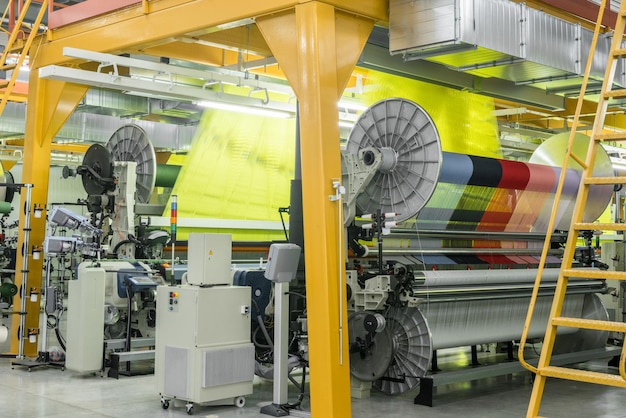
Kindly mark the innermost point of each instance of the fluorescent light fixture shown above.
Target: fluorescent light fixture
(343, 124)
(245, 109)
(357, 107)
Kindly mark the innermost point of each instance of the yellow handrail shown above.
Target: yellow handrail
(6, 12)
(24, 49)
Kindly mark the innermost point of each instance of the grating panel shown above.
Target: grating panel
(225, 366)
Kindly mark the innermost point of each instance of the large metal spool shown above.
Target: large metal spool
(129, 143)
(414, 165)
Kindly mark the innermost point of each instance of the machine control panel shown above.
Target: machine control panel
(141, 282)
(173, 301)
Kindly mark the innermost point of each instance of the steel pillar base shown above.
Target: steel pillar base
(274, 410)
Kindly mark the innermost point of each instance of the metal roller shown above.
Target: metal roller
(417, 332)
(552, 153)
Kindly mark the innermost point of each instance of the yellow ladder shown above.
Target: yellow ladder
(17, 48)
(544, 370)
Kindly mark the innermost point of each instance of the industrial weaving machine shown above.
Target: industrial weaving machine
(446, 247)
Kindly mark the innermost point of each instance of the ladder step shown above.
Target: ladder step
(8, 67)
(615, 94)
(583, 376)
(594, 274)
(605, 180)
(599, 227)
(15, 48)
(590, 324)
(611, 136)
(4, 84)
(619, 52)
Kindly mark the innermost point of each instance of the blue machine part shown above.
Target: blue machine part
(261, 289)
(137, 278)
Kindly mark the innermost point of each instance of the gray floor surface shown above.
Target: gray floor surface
(51, 392)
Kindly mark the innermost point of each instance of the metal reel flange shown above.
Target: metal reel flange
(410, 146)
(413, 350)
(131, 143)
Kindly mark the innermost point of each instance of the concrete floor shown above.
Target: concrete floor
(50, 392)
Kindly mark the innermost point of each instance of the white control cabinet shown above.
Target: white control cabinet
(85, 319)
(203, 349)
(209, 259)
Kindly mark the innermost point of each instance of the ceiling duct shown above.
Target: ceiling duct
(497, 39)
(83, 127)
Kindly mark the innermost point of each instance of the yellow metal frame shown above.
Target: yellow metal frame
(317, 46)
(50, 105)
(169, 19)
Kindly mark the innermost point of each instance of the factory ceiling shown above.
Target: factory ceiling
(532, 97)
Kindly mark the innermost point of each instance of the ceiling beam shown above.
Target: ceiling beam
(131, 28)
(193, 52)
(244, 38)
(377, 58)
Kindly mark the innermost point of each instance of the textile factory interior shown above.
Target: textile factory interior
(324, 208)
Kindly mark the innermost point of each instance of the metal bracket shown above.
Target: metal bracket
(339, 191)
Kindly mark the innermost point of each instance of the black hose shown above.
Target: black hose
(119, 244)
(60, 339)
(54, 324)
(130, 240)
(296, 294)
(258, 344)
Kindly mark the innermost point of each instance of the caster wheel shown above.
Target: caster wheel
(190, 410)
(29, 370)
(165, 403)
(240, 401)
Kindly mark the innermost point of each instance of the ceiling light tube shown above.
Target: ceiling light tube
(344, 104)
(244, 109)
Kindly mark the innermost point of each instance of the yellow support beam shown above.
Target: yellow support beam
(317, 47)
(193, 52)
(50, 103)
(131, 28)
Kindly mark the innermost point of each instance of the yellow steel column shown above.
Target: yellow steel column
(317, 47)
(50, 103)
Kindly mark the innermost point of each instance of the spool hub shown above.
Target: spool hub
(371, 364)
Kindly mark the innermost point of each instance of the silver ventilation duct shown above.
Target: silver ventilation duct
(498, 39)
